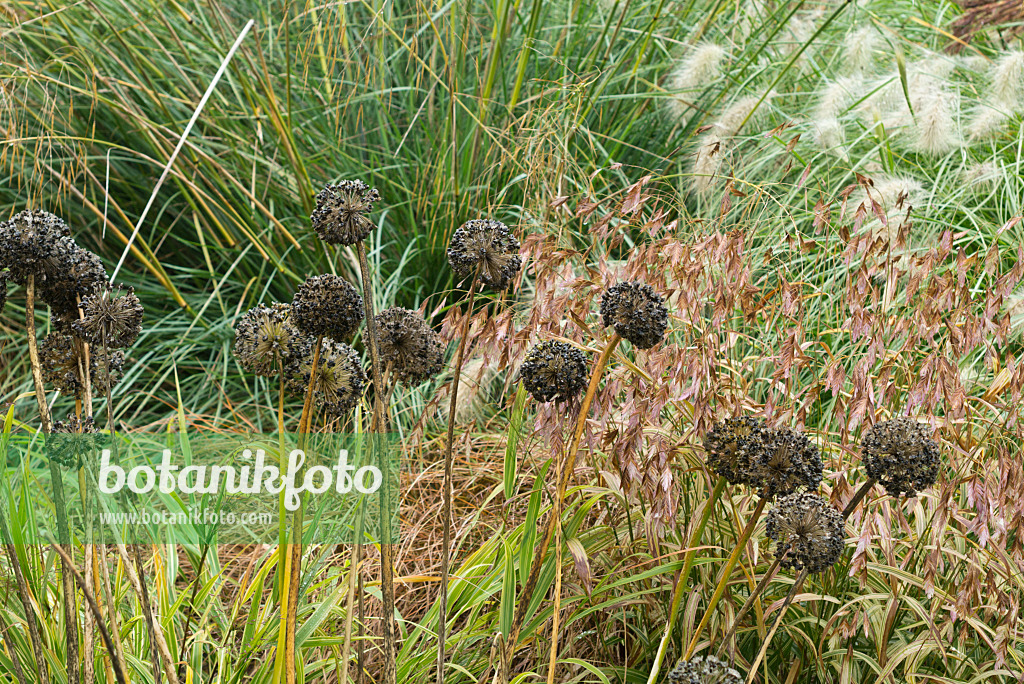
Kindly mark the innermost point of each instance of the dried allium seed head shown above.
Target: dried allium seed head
(111, 317)
(809, 533)
(554, 371)
(73, 274)
(266, 339)
(409, 344)
(340, 379)
(489, 246)
(27, 243)
(901, 454)
(783, 461)
(75, 438)
(703, 670)
(327, 305)
(340, 214)
(726, 448)
(62, 359)
(636, 312)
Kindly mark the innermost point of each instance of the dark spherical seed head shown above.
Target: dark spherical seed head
(637, 313)
(408, 343)
(62, 360)
(488, 246)
(73, 274)
(784, 461)
(27, 243)
(340, 214)
(554, 370)
(727, 450)
(327, 305)
(901, 454)
(809, 533)
(266, 339)
(703, 670)
(72, 440)
(111, 317)
(339, 381)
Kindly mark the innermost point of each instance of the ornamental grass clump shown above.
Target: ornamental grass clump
(901, 455)
(409, 347)
(703, 670)
(808, 532)
(636, 312)
(327, 306)
(554, 371)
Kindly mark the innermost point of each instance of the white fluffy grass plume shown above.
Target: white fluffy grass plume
(714, 145)
(835, 99)
(702, 65)
(859, 50)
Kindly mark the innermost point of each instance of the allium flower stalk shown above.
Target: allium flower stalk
(703, 670)
(111, 317)
(487, 249)
(327, 306)
(554, 371)
(901, 455)
(341, 212)
(809, 533)
(636, 312)
(266, 339)
(408, 345)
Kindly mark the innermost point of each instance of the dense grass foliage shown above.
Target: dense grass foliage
(829, 200)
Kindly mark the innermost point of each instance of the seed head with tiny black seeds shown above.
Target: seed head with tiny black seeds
(809, 533)
(340, 214)
(27, 244)
(727, 448)
(703, 670)
(72, 440)
(111, 317)
(327, 305)
(636, 311)
(783, 461)
(553, 371)
(340, 379)
(901, 454)
(489, 246)
(62, 359)
(73, 274)
(409, 344)
(266, 339)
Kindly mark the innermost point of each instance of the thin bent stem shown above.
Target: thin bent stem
(682, 585)
(858, 497)
(775, 627)
(570, 462)
(726, 572)
(446, 502)
(749, 603)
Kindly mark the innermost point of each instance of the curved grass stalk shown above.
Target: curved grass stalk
(749, 603)
(775, 627)
(681, 585)
(563, 481)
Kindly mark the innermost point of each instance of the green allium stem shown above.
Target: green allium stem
(775, 627)
(682, 585)
(749, 603)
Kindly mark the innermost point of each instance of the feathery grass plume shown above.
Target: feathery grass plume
(783, 461)
(980, 177)
(801, 28)
(327, 305)
(111, 316)
(340, 379)
(488, 246)
(30, 245)
(409, 345)
(476, 384)
(636, 312)
(896, 195)
(859, 50)
(553, 371)
(743, 110)
(937, 112)
(726, 448)
(62, 363)
(1007, 80)
(708, 162)
(703, 670)
(265, 336)
(901, 454)
(987, 122)
(701, 66)
(835, 99)
(340, 214)
(808, 532)
(78, 437)
(887, 104)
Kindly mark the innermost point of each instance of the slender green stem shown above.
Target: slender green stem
(682, 584)
(775, 627)
(749, 603)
